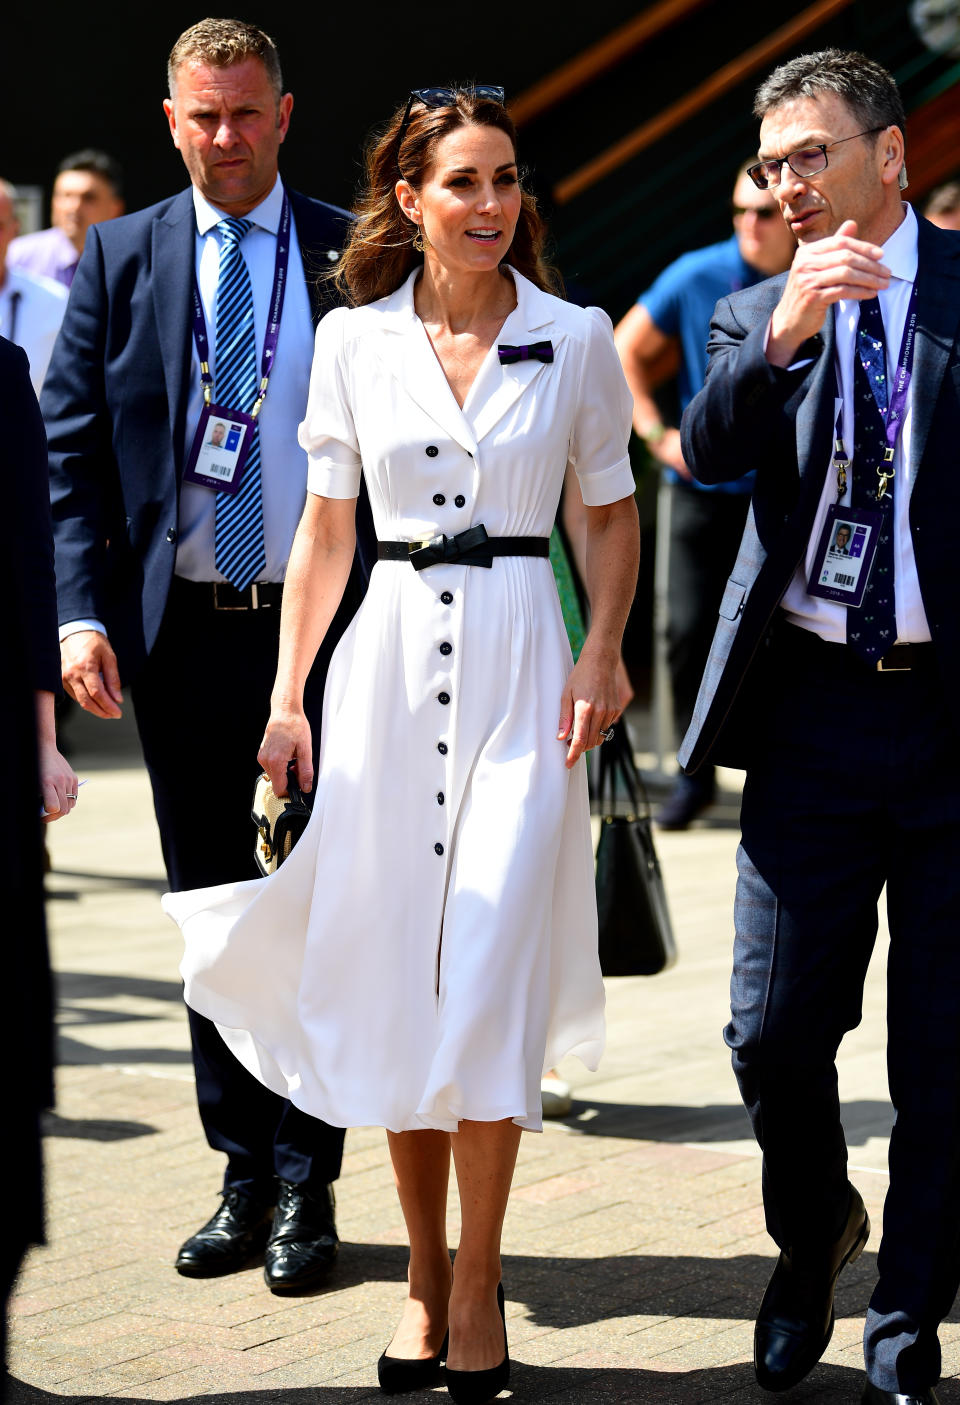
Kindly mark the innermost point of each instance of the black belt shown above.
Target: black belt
(219, 595)
(901, 658)
(470, 548)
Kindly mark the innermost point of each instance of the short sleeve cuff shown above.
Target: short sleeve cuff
(328, 479)
(609, 485)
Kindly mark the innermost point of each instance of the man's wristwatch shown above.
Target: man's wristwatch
(653, 435)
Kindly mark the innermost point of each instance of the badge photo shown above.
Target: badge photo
(220, 448)
(845, 555)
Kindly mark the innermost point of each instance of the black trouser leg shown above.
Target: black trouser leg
(856, 784)
(202, 703)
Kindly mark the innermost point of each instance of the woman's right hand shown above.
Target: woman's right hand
(287, 738)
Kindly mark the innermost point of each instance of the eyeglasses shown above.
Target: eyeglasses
(808, 161)
(445, 97)
(762, 212)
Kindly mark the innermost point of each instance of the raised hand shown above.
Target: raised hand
(822, 273)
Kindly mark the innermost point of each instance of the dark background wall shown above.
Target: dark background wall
(95, 75)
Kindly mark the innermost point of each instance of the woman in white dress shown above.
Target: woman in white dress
(429, 948)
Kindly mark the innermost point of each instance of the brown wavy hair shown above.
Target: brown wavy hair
(379, 253)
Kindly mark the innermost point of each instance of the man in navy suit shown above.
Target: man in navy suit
(840, 383)
(150, 589)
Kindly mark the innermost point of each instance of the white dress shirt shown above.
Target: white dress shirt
(283, 464)
(825, 617)
(31, 310)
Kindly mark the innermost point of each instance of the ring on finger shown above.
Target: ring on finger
(606, 736)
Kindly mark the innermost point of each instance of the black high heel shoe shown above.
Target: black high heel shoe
(397, 1374)
(477, 1387)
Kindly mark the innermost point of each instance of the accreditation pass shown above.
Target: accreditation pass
(845, 554)
(220, 448)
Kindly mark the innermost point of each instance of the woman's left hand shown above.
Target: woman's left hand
(58, 783)
(590, 703)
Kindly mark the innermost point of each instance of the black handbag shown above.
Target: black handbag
(280, 820)
(636, 935)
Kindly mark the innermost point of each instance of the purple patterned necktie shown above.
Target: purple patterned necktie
(872, 630)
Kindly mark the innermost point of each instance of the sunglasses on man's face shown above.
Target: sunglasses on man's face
(445, 97)
(764, 212)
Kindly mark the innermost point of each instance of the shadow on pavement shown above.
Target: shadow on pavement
(563, 1385)
(87, 985)
(94, 1129)
(103, 881)
(720, 1122)
(74, 989)
(71, 1052)
(570, 1292)
(580, 1292)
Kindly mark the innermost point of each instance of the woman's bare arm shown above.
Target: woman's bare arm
(317, 574)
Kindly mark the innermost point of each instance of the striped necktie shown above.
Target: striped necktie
(238, 538)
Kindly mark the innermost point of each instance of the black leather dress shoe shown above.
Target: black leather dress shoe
(873, 1395)
(303, 1243)
(236, 1232)
(795, 1322)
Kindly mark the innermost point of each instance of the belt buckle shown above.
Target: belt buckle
(428, 553)
(895, 667)
(254, 605)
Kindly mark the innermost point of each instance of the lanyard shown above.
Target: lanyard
(273, 322)
(893, 415)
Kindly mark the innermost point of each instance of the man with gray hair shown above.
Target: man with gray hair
(31, 309)
(840, 382)
(193, 312)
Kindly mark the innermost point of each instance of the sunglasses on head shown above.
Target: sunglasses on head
(445, 97)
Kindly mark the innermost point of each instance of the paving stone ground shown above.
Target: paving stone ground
(634, 1252)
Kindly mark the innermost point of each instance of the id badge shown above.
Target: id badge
(220, 448)
(845, 554)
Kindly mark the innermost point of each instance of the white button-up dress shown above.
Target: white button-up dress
(430, 946)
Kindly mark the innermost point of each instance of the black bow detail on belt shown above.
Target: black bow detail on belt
(539, 351)
(467, 547)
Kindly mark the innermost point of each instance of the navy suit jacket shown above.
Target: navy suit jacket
(750, 414)
(23, 469)
(115, 401)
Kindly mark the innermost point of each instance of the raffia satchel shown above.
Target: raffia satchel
(280, 820)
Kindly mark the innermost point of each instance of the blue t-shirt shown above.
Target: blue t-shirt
(681, 303)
